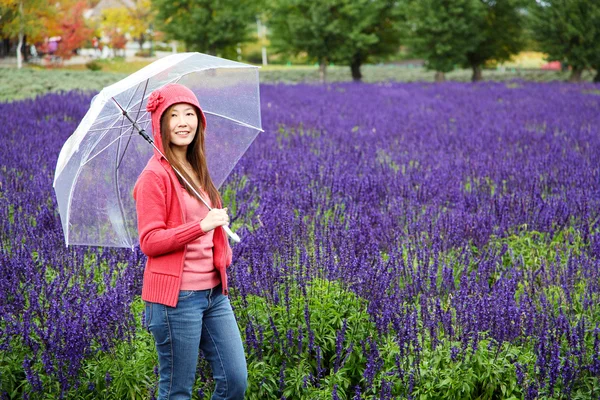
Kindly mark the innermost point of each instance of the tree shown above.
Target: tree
(341, 31)
(500, 34)
(21, 18)
(140, 19)
(205, 25)
(569, 32)
(310, 26)
(115, 23)
(71, 28)
(444, 32)
(374, 31)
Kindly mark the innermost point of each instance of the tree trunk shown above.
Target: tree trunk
(323, 70)
(25, 49)
(597, 77)
(19, 57)
(477, 73)
(355, 68)
(440, 76)
(141, 40)
(576, 75)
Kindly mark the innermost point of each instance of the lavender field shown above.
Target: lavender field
(413, 241)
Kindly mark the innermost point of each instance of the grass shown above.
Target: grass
(33, 81)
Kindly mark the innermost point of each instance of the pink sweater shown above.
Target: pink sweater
(199, 273)
(165, 232)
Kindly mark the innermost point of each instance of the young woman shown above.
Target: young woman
(185, 279)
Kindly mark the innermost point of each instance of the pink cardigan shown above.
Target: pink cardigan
(164, 233)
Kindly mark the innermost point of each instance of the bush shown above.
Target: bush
(93, 65)
(143, 53)
(326, 325)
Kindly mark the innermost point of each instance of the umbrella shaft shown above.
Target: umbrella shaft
(134, 123)
(139, 129)
(183, 178)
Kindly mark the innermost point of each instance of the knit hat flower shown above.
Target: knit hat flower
(155, 99)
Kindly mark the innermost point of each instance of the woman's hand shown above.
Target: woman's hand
(215, 217)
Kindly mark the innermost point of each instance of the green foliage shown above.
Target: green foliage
(568, 31)
(93, 65)
(26, 17)
(130, 366)
(444, 32)
(536, 248)
(312, 27)
(207, 26)
(329, 305)
(486, 373)
(340, 31)
(12, 376)
(501, 32)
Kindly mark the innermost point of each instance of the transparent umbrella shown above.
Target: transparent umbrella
(99, 164)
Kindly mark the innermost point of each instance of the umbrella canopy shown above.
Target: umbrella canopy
(99, 164)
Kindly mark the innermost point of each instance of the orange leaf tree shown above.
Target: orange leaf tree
(72, 28)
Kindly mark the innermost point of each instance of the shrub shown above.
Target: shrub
(93, 65)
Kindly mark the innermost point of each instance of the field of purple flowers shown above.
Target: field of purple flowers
(399, 241)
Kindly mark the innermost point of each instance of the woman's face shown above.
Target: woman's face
(183, 123)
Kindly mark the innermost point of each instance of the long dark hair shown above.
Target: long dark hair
(195, 155)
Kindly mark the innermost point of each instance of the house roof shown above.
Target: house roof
(96, 12)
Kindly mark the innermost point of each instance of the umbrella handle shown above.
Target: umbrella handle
(231, 234)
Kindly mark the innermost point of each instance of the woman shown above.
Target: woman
(185, 280)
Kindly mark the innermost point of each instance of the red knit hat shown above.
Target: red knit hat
(166, 96)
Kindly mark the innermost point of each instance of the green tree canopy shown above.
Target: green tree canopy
(443, 32)
(341, 31)
(569, 32)
(307, 26)
(469, 33)
(212, 27)
(373, 30)
(501, 33)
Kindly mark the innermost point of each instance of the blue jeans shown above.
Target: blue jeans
(202, 319)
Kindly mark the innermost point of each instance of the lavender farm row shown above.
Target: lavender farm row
(454, 220)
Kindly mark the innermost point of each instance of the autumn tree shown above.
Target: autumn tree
(24, 18)
(137, 19)
(71, 28)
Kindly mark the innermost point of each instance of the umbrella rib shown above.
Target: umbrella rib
(143, 95)
(113, 127)
(123, 121)
(136, 117)
(104, 148)
(70, 199)
(233, 120)
(216, 114)
(119, 160)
